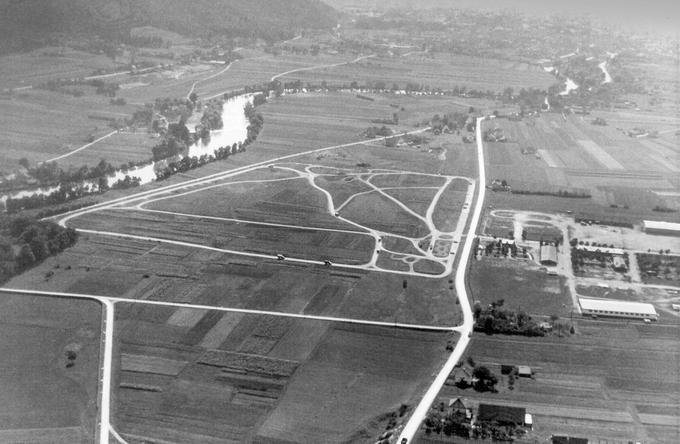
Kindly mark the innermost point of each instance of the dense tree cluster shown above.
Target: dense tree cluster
(496, 319)
(25, 242)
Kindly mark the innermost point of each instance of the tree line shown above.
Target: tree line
(25, 242)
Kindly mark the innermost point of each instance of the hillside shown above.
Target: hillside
(25, 24)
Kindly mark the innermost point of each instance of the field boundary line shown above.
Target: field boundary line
(113, 299)
(87, 145)
(311, 68)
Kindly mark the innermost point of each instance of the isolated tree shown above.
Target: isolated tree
(486, 380)
(193, 97)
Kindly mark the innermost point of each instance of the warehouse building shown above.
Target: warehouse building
(661, 228)
(618, 309)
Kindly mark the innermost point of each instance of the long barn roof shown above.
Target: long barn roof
(615, 305)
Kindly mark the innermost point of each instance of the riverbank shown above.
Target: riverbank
(223, 141)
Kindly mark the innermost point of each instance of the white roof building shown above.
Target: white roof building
(616, 308)
(660, 227)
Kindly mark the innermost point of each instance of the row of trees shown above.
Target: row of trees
(25, 242)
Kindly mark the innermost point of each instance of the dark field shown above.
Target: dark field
(42, 400)
(232, 378)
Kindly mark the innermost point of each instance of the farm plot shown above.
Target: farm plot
(270, 378)
(40, 387)
(586, 384)
(39, 66)
(135, 269)
(40, 125)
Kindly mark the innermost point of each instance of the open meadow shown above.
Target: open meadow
(46, 397)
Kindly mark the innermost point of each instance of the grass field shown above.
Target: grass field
(17, 70)
(439, 71)
(534, 292)
(613, 381)
(43, 400)
(40, 125)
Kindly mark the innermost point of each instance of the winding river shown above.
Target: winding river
(235, 130)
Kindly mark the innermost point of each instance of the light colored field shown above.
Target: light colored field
(545, 155)
(221, 330)
(151, 364)
(186, 317)
(600, 155)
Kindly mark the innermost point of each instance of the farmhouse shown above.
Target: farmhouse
(501, 414)
(619, 309)
(548, 254)
(661, 228)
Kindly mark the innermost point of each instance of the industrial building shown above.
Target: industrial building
(618, 309)
(661, 228)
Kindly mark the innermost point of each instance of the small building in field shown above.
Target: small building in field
(501, 414)
(619, 264)
(661, 228)
(524, 371)
(617, 309)
(548, 255)
(557, 439)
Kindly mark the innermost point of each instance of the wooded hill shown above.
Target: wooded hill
(25, 24)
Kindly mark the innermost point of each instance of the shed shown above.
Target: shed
(619, 264)
(548, 255)
(524, 371)
(501, 414)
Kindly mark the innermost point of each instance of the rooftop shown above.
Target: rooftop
(615, 305)
(660, 225)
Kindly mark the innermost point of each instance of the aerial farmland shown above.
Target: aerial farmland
(324, 222)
